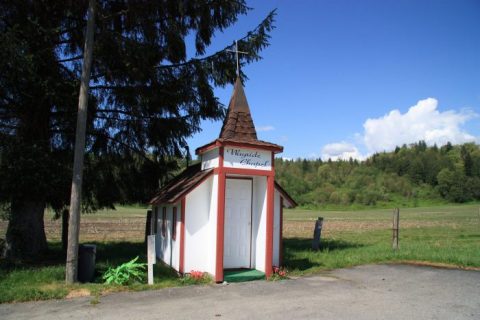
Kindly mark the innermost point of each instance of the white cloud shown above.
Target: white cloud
(340, 151)
(265, 128)
(422, 121)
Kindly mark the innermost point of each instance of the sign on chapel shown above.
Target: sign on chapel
(225, 212)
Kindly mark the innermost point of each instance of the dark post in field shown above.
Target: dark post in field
(396, 220)
(79, 152)
(317, 232)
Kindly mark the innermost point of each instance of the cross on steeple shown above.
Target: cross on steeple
(236, 54)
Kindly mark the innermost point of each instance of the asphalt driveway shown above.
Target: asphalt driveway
(365, 292)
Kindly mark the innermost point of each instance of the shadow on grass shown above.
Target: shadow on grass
(299, 255)
(109, 254)
(305, 244)
(113, 252)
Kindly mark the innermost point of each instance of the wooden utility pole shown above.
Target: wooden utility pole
(396, 220)
(79, 153)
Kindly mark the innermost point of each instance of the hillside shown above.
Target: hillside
(409, 176)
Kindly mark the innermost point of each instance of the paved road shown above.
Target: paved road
(366, 292)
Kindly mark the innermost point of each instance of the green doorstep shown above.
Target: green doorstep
(243, 275)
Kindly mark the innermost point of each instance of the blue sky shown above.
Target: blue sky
(349, 78)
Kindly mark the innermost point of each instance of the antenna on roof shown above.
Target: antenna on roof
(236, 54)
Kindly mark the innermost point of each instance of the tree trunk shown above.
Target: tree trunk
(65, 217)
(26, 230)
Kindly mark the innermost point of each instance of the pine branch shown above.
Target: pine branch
(71, 59)
(267, 21)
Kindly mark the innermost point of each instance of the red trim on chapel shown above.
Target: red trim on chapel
(220, 227)
(269, 234)
(187, 191)
(217, 143)
(220, 217)
(249, 172)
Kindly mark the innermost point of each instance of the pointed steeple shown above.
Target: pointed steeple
(238, 128)
(238, 124)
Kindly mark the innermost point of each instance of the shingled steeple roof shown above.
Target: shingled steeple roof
(238, 124)
(238, 127)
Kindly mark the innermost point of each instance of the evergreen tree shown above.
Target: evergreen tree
(467, 161)
(407, 175)
(147, 96)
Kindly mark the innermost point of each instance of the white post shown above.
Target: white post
(151, 257)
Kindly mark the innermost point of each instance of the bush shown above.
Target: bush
(126, 273)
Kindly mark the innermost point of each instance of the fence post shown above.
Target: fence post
(396, 220)
(317, 232)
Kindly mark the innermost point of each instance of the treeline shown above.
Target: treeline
(409, 176)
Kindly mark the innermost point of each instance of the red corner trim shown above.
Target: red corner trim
(220, 157)
(207, 147)
(216, 143)
(248, 172)
(220, 227)
(269, 236)
(182, 237)
(252, 146)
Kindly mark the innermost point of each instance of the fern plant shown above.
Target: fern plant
(125, 273)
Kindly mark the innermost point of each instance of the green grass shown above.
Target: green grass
(440, 235)
(443, 235)
(457, 212)
(46, 279)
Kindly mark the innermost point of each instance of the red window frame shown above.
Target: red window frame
(174, 223)
(164, 221)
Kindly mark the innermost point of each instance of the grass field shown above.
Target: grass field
(444, 235)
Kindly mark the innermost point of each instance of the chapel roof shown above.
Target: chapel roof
(189, 179)
(238, 126)
(181, 185)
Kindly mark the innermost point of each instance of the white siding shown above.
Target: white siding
(210, 159)
(259, 220)
(167, 249)
(276, 229)
(200, 228)
(176, 243)
(212, 246)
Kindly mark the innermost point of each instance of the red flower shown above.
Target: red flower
(197, 275)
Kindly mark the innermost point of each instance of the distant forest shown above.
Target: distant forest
(411, 175)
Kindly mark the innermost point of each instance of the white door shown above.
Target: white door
(238, 223)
